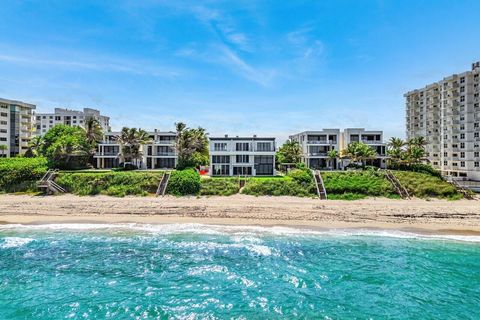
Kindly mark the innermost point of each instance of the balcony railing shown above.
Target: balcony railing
(321, 142)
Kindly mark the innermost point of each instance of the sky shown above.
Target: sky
(270, 68)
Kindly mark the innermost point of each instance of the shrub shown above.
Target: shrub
(302, 176)
(424, 185)
(184, 182)
(366, 183)
(110, 183)
(21, 174)
(286, 186)
(419, 167)
(219, 186)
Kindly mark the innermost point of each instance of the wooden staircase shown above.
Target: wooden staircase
(242, 181)
(48, 185)
(462, 190)
(321, 192)
(401, 190)
(162, 186)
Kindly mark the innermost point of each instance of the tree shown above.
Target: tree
(396, 150)
(358, 152)
(191, 146)
(93, 130)
(131, 140)
(65, 147)
(332, 156)
(415, 154)
(34, 147)
(94, 133)
(289, 152)
(3, 148)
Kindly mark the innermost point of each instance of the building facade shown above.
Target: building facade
(316, 145)
(159, 154)
(447, 114)
(233, 156)
(45, 121)
(16, 126)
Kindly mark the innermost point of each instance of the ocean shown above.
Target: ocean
(192, 271)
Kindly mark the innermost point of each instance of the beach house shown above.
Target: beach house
(251, 156)
(316, 145)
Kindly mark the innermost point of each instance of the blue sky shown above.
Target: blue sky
(237, 67)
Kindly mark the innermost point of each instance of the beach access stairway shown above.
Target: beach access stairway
(401, 190)
(48, 185)
(321, 192)
(242, 181)
(466, 193)
(162, 186)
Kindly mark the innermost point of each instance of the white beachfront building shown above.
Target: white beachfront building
(45, 121)
(316, 145)
(447, 114)
(232, 156)
(16, 126)
(159, 154)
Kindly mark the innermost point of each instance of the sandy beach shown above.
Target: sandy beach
(438, 216)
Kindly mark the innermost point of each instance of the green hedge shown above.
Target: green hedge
(286, 186)
(219, 186)
(112, 183)
(357, 184)
(424, 185)
(21, 174)
(184, 182)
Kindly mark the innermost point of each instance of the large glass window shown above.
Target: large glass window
(242, 146)
(242, 158)
(220, 146)
(264, 146)
(242, 171)
(220, 159)
(264, 165)
(221, 170)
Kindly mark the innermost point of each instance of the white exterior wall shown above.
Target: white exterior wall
(22, 115)
(447, 114)
(45, 121)
(231, 152)
(109, 152)
(330, 141)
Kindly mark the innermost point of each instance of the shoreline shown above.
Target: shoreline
(461, 217)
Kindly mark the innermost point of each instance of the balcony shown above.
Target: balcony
(372, 141)
(321, 142)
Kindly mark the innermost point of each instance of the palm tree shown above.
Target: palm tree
(191, 146)
(131, 140)
(3, 148)
(289, 152)
(396, 150)
(93, 130)
(419, 141)
(332, 156)
(358, 152)
(415, 154)
(35, 145)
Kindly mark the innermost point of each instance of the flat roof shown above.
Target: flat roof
(19, 103)
(241, 138)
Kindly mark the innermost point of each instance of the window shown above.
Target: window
(264, 146)
(445, 163)
(462, 145)
(477, 164)
(3, 139)
(476, 154)
(3, 114)
(462, 98)
(220, 159)
(242, 146)
(221, 170)
(462, 164)
(462, 135)
(3, 130)
(58, 118)
(462, 154)
(264, 165)
(220, 146)
(3, 122)
(242, 158)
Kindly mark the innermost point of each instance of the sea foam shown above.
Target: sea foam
(245, 232)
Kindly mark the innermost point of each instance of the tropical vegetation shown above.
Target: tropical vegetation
(191, 146)
(403, 154)
(425, 185)
(219, 186)
(289, 153)
(110, 183)
(131, 141)
(358, 152)
(184, 182)
(21, 174)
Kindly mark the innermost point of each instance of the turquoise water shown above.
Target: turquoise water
(209, 272)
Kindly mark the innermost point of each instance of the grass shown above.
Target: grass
(118, 184)
(352, 185)
(219, 186)
(423, 185)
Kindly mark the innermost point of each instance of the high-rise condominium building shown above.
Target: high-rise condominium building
(45, 121)
(447, 114)
(16, 126)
